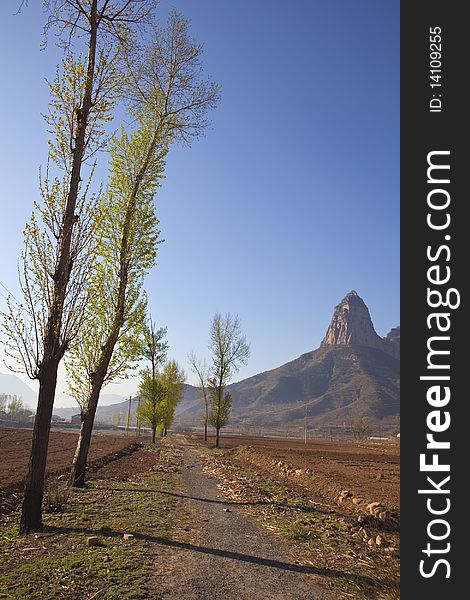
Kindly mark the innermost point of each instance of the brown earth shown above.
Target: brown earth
(370, 470)
(15, 447)
(230, 516)
(226, 554)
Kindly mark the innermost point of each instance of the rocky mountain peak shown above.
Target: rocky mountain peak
(351, 324)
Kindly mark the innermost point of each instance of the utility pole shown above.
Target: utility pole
(137, 422)
(305, 425)
(128, 416)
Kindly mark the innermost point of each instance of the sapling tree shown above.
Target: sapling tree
(229, 350)
(172, 380)
(160, 394)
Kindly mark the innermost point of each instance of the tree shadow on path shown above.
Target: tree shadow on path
(302, 507)
(246, 558)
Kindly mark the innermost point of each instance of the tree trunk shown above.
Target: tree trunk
(205, 429)
(31, 512)
(54, 348)
(154, 433)
(78, 471)
(217, 436)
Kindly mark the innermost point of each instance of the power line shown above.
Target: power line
(8, 292)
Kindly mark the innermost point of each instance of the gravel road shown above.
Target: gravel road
(229, 557)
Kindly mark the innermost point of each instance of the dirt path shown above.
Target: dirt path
(228, 557)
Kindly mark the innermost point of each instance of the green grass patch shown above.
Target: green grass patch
(110, 572)
(58, 563)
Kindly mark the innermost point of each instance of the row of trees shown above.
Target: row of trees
(87, 248)
(13, 407)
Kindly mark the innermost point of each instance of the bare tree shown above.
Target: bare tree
(229, 350)
(55, 260)
(200, 368)
(168, 81)
(15, 406)
(361, 428)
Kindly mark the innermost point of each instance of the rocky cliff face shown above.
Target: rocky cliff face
(393, 339)
(351, 325)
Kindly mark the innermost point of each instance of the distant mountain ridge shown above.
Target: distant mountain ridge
(110, 413)
(11, 384)
(354, 373)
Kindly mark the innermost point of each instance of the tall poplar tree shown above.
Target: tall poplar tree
(54, 264)
(128, 236)
(169, 101)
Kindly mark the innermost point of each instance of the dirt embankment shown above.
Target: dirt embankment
(370, 471)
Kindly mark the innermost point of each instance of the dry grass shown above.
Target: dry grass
(317, 531)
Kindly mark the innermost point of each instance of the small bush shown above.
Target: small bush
(56, 496)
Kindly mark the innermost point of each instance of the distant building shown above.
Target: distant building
(57, 419)
(76, 419)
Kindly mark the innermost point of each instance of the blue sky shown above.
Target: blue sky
(289, 202)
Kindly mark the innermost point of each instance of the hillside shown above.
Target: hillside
(336, 385)
(353, 374)
(13, 385)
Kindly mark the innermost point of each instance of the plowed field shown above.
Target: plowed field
(370, 469)
(15, 446)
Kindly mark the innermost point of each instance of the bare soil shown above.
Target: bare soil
(369, 469)
(229, 555)
(15, 447)
(247, 522)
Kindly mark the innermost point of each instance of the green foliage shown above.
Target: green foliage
(229, 350)
(151, 409)
(172, 379)
(67, 92)
(126, 239)
(219, 410)
(160, 395)
(25, 324)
